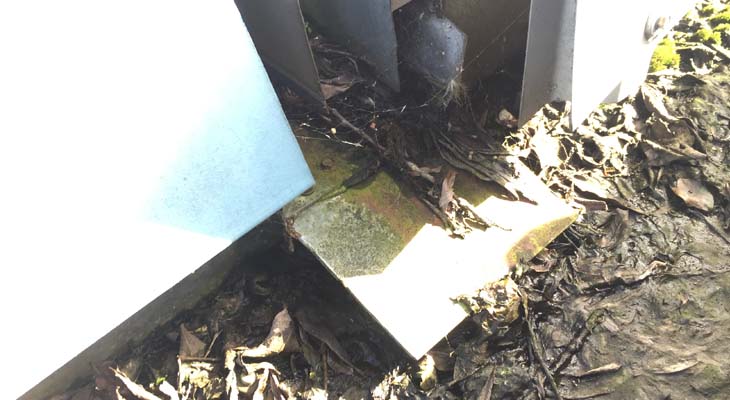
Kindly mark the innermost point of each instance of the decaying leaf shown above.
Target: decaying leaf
(282, 338)
(675, 368)
(497, 302)
(427, 372)
(190, 345)
(266, 379)
(337, 85)
(506, 119)
(604, 369)
(694, 194)
(546, 147)
(616, 229)
(314, 325)
(199, 376)
(168, 390)
(442, 357)
(447, 191)
(136, 389)
(653, 100)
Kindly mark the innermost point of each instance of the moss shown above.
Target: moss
(707, 36)
(720, 18)
(665, 56)
(722, 28)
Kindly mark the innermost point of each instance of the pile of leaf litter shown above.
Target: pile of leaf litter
(631, 302)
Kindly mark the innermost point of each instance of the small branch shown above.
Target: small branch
(537, 347)
(486, 392)
(418, 171)
(357, 130)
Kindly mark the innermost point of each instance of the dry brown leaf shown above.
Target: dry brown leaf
(447, 191)
(506, 119)
(546, 147)
(675, 368)
(168, 390)
(190, 345)
(654, 102)
(332, 90)
(282, 338)
(333, 87)
(604, 369)
(136, 389)
(316, 327)
(427, 372)
(694, 194)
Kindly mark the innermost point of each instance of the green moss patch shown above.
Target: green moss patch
(708, 36)
(665, 56)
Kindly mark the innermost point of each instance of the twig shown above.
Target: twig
(442, 216)
(212, 342)
(418, 171)
(357, 130)
(536, 347)
(200, 359)
(324, 368)
(486, 392)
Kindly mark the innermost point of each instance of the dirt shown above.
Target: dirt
(631, 302)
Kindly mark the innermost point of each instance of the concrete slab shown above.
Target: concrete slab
(392, 253)
(138, 141)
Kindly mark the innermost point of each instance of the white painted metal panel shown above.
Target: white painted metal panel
(137, 140)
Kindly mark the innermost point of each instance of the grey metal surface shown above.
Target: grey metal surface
(588, 52)
(548, 70)
(496, 32)
(431, 44)
(278, 31)
(461, 41)
(364, 27)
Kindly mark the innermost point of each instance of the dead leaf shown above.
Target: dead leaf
(486, 392)
(694, 194)
(316, 327)
(136, 389)
(329, 90)
(190, 345)
(231, 379)
(281, 338)
(168, 390)
(653, 100)
(546, 147)
(506, 119)
(629, 115)
(261, 382)
(337, 85)
(199, 375)
(447, 191)
(443, 358)
(427, 372)
(675, 368)
(616, 229)
(604, 369)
